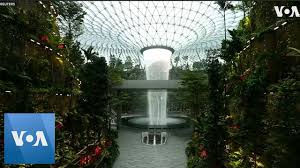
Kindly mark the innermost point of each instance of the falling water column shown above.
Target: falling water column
(157, 62)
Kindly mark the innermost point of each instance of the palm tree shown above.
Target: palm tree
(224, 5)
(90, 54)
(244, 6)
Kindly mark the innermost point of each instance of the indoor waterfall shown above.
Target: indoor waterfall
(157, 68)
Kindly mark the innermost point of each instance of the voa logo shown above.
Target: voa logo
(39, 136)
(29, 138)
(289, 11)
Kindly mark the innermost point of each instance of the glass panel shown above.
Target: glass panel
(185, 26)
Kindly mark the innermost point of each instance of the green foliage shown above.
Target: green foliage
(31, 72)
(262, 127)
(247, 109)
(210, 133)
(20, 23)
(282, 123)
(54, 91)
(94, 77)
(113, 150)
(234, 159)
(224, 5)
(116, 70)
(196, 162)
(128, 65)
(231, 47)
(127, 70)
(90, 54)
(176, 60)
(75, 55)
(245, 6)
(255, 84)
(21, 57)
(71, 19)
(72, 15)
(90, 122)
(264, 14)
(194, 92)
(199, 65)
(215, 133)
(239, 38)
(126, 101)
(176, 73)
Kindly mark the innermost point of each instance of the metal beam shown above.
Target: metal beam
(149, 84)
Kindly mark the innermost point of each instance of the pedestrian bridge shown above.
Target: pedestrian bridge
(149, 84)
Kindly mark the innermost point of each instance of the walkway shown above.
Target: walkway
(149, 84)
(134, 154)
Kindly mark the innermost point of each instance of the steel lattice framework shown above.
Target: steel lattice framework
(123, 28)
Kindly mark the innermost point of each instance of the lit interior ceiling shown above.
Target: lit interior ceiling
(123, 28)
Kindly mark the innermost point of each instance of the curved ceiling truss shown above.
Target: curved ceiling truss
(123, 28)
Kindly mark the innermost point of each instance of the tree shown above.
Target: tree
(194, 92)
(115, 70)
(224, 5)
(176, 60)
(90, 54)
(208, 142)
(231, 47)
(186, 58)
(75, 54)
(199, 65)
(128, 65)
(71, 17)
(215, 133)
(245, 6)
(93, 104)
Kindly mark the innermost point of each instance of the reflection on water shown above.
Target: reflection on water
(135, 154)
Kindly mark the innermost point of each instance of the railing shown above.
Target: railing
(154, 138)
(113, 119)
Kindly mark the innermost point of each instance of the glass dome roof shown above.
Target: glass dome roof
(123, 28)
